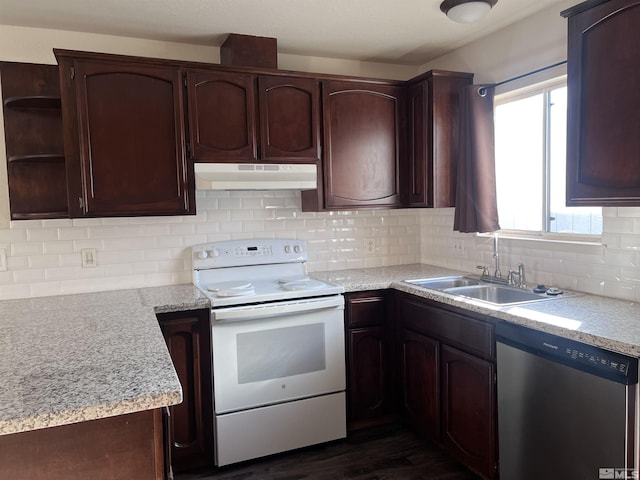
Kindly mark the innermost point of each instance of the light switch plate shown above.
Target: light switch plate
(89, 257)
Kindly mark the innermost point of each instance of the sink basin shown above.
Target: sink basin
(477, 289)
(498, 294)
(441, 283)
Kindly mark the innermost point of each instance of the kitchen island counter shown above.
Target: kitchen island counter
(73, 358)
(601, 321)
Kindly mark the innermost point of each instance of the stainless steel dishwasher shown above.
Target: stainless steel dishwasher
(566, 410)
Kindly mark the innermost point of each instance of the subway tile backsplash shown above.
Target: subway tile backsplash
(43, 256)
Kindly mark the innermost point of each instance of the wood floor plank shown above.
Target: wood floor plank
(389, 452)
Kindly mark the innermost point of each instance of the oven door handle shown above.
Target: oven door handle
(280, 309)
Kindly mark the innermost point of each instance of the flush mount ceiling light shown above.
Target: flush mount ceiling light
(466, 11)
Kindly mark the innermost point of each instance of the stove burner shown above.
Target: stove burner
(283, 281)
(232, 289)
(307, 284)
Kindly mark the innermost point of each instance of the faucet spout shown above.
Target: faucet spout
(496, 257)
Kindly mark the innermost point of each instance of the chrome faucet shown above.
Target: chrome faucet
(496, 257)
(520, 274)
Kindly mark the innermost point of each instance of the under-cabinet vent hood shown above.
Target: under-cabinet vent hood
(249, 176)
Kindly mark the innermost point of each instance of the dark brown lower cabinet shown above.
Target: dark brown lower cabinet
(188, 337)
(419, 371)
(447, 379)
(468, 402)
(115, 448)
(369, 357)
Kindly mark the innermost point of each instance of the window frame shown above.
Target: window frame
(542, 87)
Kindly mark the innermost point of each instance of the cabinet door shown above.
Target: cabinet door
(603, 145)
(367, 373)
(128, 156)
(434, 139)
(419, 379)
(222, 116)
(188, 338)
(289, 119)
(369, 355)
(362, 144)
(468, 409)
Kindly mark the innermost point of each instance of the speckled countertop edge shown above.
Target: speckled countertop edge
(73, 358)
(601, 321)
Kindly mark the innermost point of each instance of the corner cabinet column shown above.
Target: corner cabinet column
(433, 139)
(124, 137)
(188, 338)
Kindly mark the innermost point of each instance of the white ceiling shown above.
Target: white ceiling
(410, 32)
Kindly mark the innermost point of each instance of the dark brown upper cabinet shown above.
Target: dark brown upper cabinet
(362, 145)
(433, 143)
(229, 122)
(33, 138)
(289, 119)
(124, 137)
(603, 144)
(222, 116)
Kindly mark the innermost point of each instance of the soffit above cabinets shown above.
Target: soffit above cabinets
(412, 32)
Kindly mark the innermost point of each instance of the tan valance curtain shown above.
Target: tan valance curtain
(476, 206)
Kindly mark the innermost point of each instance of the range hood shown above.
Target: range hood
(259, 176)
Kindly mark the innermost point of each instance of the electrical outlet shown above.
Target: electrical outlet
(3, 259)
(89, 257)
(370, 246)
(458, 247)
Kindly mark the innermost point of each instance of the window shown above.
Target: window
(530, 133)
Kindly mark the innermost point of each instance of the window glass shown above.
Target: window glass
(530, 134)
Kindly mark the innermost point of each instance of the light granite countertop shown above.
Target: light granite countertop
(73, 358)
(604, 322)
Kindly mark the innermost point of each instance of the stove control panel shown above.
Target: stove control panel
(235, 253)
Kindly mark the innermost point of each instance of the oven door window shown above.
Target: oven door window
(280, 352)
(277, 359)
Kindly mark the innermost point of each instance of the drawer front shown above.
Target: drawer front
(365, 309)
(468, 334)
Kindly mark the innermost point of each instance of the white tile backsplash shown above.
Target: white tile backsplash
(612, 269)
(44, 255)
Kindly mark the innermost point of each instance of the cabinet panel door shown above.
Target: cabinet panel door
(367, 372)
(468, 409)
(189, 342)
(362, 142)
(603, 145)
(289, 119)
(419, 377)
(222, 118)
(434, 138)
(420, 173)
(131, 130)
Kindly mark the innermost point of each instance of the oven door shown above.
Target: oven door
(271, 353)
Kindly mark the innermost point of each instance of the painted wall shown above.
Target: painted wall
(612, 269)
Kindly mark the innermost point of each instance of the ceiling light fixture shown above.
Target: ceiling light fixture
(466, 11)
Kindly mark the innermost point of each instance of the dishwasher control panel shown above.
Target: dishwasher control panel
(600, 358)
(588, 358)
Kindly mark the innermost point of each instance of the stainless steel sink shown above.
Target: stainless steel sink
(477, 289)
(441, 283)
(498, 294)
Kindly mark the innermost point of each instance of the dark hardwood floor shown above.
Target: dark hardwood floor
(390, 452)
